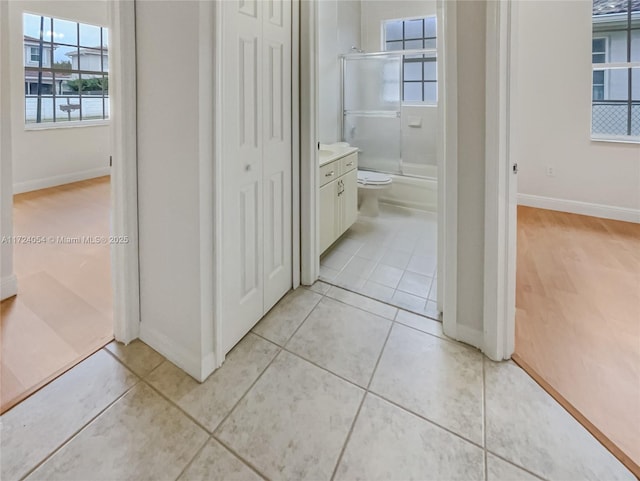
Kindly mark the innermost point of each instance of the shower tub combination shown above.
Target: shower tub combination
(376, 122)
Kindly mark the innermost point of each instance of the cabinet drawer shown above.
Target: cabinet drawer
(329, 172)
(349, 163)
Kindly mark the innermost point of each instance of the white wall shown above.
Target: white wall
(555, 119)
(8, 283)
(471, 34)
(339, 30)
(170, 138)
(43, 158)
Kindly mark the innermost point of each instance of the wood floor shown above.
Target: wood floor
(578, 316)
(63, 310)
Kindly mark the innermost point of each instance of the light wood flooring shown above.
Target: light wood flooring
(63, 310)
(578, 317)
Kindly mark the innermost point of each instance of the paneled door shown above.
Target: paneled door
(256, 163)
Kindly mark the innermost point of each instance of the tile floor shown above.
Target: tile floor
(330, 385)
(392, 257)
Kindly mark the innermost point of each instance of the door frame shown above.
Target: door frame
(125, 272)
(447, 170)
(500, 180)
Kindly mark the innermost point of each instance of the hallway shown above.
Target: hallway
(329, 385)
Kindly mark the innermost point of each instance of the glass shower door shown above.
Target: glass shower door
(372, 90)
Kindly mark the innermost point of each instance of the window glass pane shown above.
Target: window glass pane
(411, 44)
(413, 91)
(430, 27)
(31, 109)
(598, 77)
(90, 59)
(598, 44)
(413, 29)
(105, 37)
(65, 31)
(431, 92)
(31, 27)
(65, 58)
(599, 58)
(105, 61)
(393, 31)
(610, 103)
(430, 43)
(413, 71)
(635, 45)
(67, 108)
(430, 71)
(92, 107)
(89, 35)
(617, 46)
(394, 45)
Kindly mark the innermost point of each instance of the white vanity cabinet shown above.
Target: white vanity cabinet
(338, 197)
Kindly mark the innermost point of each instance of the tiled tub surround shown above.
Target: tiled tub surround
(330, 385)
(392, 257)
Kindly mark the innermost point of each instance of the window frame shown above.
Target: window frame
(49, 46)
(406, 58)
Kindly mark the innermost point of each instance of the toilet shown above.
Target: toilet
(370, 184)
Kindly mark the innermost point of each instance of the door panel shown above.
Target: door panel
(276, 128)
(256, 102)
(329, 211)
(349, 199)
(242, 213)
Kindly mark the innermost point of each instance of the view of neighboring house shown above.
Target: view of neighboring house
(616, 89)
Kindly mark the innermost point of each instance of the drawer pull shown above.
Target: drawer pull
(350, 164)
(329, 174)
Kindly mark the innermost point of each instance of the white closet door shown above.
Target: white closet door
(276, 58)
(256, 162)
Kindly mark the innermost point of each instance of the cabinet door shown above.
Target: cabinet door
(349, 199)
(329, 214)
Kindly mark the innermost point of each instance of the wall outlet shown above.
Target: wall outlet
(551, 172)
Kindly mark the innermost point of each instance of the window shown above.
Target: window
(420, 81)
(35, 54)
(65, 71)
(615, 49)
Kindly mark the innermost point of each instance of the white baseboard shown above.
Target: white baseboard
(37, 184)
(578, 207)
(8, 287)
(197, 368)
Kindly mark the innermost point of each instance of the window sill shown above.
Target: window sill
(617, 140)
(66, 125)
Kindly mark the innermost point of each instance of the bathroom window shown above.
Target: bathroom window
(420, 81)
(66, 72)
(615, 77)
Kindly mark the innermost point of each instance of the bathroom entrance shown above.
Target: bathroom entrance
(378, 101)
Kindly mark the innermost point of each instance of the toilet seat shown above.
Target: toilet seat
(372, 179)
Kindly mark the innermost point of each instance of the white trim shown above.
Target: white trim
(578, 207)
(499, 243)
(125, 278)
(309, 187)
(207, 359)
(295, 144)
(189, 361)
(448, 173)
(468, 335)
(218, 121)
(56, 180)
(8, 287)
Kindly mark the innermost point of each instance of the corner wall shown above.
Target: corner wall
(594, 178)
(44, 158)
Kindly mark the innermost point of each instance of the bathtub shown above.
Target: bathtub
(414, 192)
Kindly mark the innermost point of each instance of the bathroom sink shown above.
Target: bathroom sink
(325, 153)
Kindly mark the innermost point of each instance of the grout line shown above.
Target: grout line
(82, 428)
(240, 458)
(198, 451)
(502, 458)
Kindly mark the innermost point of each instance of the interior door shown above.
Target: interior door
(276, 124)
(256, 164)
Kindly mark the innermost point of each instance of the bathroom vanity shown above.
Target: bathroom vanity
(338, 191)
